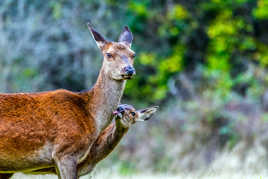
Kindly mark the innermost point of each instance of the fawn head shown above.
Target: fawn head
(118, 57)
(128, 115)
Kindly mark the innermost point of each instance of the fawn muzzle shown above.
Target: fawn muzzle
(119, 112)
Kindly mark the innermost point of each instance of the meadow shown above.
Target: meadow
(228, 165)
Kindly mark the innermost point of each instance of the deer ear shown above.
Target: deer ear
(126, 36)
(146, 114)
(97, 36)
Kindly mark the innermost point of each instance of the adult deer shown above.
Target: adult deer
(124, 117)
(58, 128)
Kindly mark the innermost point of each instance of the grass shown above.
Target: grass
(227, 166)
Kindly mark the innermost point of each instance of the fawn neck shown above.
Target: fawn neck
(104, 99)
(104, 145)
(112, 136)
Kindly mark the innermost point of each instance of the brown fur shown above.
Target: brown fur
(29, 121)
(103, 146)
(108, 139)
(58, 128)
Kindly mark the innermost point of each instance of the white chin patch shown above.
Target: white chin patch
(116, 77)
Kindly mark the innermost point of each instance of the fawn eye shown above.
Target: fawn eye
(133, 113)
(109, 55)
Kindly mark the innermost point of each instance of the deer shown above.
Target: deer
(58, 128)
(124, 117)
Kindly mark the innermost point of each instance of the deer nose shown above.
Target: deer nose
(120, 110)
(129, 70)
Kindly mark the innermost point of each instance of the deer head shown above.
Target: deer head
(118, 57)
(128, 115)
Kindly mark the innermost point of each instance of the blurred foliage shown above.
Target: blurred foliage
(220, 37)
(204, 61)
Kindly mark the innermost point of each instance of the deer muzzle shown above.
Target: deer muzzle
(129, 70)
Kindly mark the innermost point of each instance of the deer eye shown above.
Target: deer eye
(109, 55)
(133, 55)
(133, 113)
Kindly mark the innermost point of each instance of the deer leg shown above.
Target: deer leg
(66, 168)
(6, 175)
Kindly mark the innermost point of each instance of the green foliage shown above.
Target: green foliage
(214, 36)
(262, 54)
(230, 39)
(261, 11)
(178, 12)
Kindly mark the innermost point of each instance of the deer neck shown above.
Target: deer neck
(104, 99)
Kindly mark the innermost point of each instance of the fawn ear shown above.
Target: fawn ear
(146, 114)
(97, 36)
(126, 36)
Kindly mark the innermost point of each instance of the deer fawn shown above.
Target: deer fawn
(124, 117)
(58, 128)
